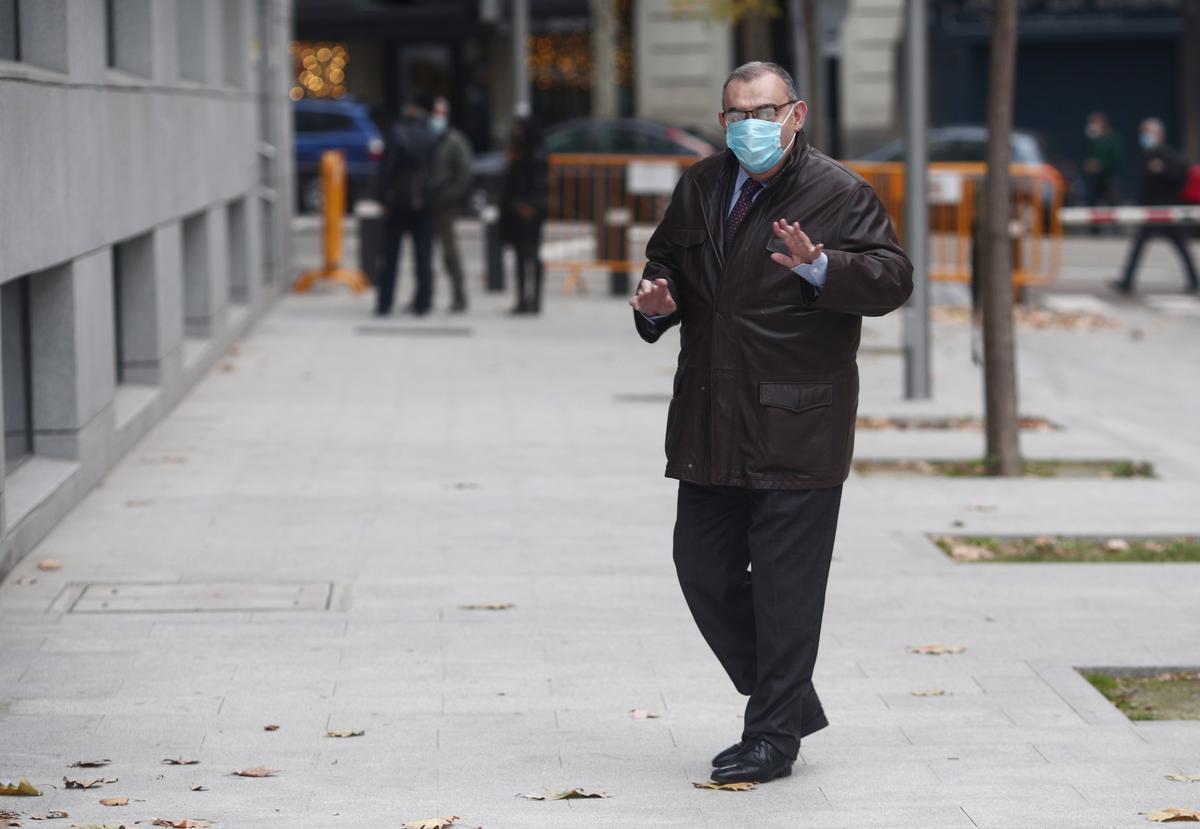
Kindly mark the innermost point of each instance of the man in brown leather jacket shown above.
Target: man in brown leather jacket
(760, 429)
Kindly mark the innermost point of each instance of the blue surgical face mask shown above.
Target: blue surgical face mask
(1149, 140)
(437, 123)
(756, 142)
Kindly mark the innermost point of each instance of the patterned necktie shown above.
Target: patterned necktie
(749, 188)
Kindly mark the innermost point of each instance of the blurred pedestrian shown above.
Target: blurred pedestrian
(1164, 174)
(523, 205)
(760, 428)
(403, 188)
(451, 183)
(1105, 158)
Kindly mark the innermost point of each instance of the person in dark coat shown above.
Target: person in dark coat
(524, 201)
(1164, 173)
(403, 188)
(760, 428)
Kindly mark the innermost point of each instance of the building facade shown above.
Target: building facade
(145, 199)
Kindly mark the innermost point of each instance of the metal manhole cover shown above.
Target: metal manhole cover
(199, 597)
(642, 398)
(413, 331)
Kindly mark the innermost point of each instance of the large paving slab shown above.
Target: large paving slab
(522, 462)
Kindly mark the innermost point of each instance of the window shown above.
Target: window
(118, 322)
(239, 257)
(197, 299)
(191, 40)
(233, 42)
(18, 373)
(128, 38)
(307, 121)
(10, 34)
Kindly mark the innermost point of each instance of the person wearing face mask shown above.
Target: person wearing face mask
(1105, 157)
(1164, 173)
(768, 257)
(450, 183)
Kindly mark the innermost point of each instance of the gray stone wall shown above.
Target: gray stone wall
(145, 198)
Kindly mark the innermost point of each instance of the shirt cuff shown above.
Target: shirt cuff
(814, 272)
(658, 319)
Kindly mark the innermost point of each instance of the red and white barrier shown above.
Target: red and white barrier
(1094, 216)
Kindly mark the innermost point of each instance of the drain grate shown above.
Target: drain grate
(642, 398)
(200, 597)
(413, 331)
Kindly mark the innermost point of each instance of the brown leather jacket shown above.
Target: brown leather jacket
(766, 392)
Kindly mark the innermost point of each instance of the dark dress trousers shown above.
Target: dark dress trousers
(760, 429)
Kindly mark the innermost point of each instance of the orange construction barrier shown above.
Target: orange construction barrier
(333, 192)
(604, 207)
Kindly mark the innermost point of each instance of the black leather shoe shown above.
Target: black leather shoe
(724, 758)
(758, 763)
(809, 726)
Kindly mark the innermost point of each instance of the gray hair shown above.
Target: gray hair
(1153, 124)
(754, 70)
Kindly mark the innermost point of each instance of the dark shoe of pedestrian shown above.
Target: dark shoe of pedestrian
(519, 309)
(1120, 287)
(381, 312)
(758, 763)
(459, 306)
(416, 312)
(810, 725)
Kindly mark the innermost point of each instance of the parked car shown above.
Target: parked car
(968, 142)
(586, 136)
(345, 125)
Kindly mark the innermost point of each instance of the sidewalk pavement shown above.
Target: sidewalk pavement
(407, 468)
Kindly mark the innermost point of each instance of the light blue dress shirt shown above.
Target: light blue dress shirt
(814, 272)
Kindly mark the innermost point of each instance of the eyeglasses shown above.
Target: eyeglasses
(764, 113)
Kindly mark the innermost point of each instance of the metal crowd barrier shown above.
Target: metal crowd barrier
(604, 207)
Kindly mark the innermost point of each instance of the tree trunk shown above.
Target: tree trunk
(754, 34)
(812, 58)
(999, 363)
(604, 69)
(1190, 56)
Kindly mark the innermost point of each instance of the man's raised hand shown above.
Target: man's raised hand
(653, 298)
(801, 250)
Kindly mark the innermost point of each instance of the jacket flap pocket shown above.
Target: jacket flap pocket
(688, 236)
(796, 397)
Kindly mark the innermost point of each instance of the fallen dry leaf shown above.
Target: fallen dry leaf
(270, 728)
(257, 771)
(88, 784)
(189, 823)
(643, 714)
(6, 815)
(936, 648)
(432, 823)
(932, 692)
(26, 580)
(90, 764)
(344, 733)
(114, 801)
(199, 788)
(970, 552)
(488, 606)
(179, 761)
(1118, 545)
(726, 787)
(566, 794)
(49, 565)
(1173, 814)
(53, 814)
(1184, 778)
(22, 788)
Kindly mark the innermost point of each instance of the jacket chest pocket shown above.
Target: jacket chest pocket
(795, 432)
(688, 244)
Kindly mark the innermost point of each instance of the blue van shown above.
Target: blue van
(323, 124)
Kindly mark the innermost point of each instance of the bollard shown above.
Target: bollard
(616, 236)
(371, 231)
(493, 257)
(333, 191)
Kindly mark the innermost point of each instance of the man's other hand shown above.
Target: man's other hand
(801, 250)
(653, 299)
